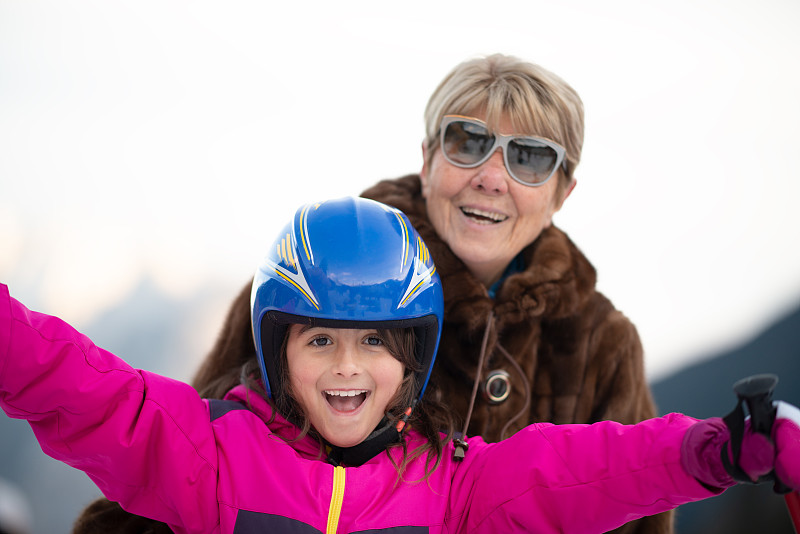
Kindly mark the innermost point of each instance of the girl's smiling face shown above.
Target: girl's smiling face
(344, 380)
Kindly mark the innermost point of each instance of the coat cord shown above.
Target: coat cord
(481, 360)
(525, 386)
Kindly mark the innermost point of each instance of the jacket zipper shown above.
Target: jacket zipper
(337, 498)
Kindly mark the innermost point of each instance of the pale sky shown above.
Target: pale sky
(173, 139)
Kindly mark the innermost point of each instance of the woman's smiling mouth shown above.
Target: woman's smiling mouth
(482, 216)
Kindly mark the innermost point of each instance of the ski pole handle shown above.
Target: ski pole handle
(756, 392)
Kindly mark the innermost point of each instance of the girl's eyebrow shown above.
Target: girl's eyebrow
(304, 328)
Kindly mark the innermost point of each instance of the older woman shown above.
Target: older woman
(527, 337)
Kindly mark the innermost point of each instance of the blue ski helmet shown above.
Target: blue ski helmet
(346, 263)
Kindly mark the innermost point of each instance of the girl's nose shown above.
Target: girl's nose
(492, 176)
(346, 363)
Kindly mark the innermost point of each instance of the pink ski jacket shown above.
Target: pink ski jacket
(153, 445)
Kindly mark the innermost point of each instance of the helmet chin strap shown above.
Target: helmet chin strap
(385, 434)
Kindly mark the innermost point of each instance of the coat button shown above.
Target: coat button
(497, 387)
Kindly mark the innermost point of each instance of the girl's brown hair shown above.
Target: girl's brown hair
(430, 419)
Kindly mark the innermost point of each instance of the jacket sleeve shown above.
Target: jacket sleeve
(576, 478)
(622, 392)
(145, 440)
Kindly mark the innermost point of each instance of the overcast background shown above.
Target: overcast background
(161, 144)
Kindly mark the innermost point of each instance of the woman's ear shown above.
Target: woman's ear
(558, 201)
(570, 187)
(423, 174)
(567, 192)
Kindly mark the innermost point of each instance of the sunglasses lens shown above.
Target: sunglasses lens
(466, 143)
(530, 160)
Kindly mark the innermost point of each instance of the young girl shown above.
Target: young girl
(334, 436)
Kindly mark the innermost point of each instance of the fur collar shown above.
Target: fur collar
(556, 283)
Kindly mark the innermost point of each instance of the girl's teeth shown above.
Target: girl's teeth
(349, 393)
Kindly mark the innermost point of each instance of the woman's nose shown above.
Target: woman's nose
(492, 176)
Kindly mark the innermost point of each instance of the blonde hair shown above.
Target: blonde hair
(533, 99)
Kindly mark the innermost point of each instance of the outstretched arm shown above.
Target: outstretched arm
(580, 478)
(592, 478)
(142, 438)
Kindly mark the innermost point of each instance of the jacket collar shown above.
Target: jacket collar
(555, 283)
(307, 446)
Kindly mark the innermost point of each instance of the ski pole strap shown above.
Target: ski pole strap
(735, 423)
(756, 392)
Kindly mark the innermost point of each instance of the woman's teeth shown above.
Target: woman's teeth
(487, 217)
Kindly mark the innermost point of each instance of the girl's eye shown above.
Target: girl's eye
(374, 341)
(320, 341)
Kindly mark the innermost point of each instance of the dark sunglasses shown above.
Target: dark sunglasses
(467, 143)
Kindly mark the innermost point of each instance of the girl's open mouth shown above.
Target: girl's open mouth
(346, 400)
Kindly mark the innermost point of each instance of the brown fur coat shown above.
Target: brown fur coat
(580, 360)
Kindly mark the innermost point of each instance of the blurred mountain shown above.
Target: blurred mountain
(150, 331)
(705, 390)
